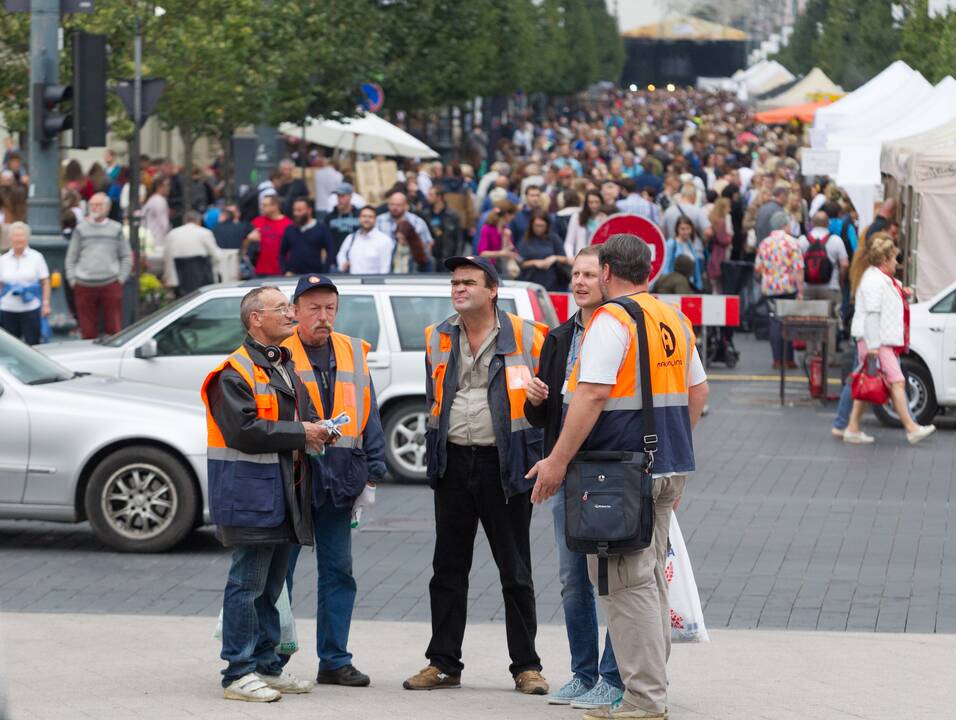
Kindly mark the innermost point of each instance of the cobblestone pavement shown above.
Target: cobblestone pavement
(786, 527)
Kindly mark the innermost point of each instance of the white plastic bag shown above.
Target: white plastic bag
(687, 618)
(289, 640)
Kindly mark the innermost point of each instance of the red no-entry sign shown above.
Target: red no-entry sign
(642, 228)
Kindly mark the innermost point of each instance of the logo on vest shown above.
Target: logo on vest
(668, 340)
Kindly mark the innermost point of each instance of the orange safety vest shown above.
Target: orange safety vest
(520, 366)
(671, 342)
(352, 394)
(233, 502)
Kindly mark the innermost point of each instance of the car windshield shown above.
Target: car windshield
(27, 365)
(128, 333)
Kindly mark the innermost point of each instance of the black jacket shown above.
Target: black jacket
(234, 409)
(551, 371)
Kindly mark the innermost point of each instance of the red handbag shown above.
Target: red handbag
(867, 383)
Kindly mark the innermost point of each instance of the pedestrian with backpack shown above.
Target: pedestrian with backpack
(825, 262)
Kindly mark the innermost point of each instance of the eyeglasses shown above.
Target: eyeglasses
(281, 309)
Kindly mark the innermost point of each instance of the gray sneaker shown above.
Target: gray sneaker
(601, 694)
(572, 689)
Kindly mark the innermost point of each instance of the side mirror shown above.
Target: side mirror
(147, 350)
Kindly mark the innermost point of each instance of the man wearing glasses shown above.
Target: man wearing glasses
(260, 423)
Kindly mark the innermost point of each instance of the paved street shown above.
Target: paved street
(787, 528)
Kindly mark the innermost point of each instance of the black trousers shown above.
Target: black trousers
(471, 492)
(23, 325)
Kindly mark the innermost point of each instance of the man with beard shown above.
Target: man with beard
(306, 244)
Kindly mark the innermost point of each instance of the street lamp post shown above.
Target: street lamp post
(134, 157)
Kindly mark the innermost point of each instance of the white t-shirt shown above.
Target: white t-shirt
(25, 269)
(605, 347)
(836, 251)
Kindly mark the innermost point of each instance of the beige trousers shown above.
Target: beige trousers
(637, 608)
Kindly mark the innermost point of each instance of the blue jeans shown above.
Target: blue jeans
(580, 613)
(250, 621)
(336, 584)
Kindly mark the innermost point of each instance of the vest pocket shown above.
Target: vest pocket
(255, 487)
(358, 473)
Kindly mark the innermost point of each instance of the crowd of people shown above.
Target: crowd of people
(725, 192)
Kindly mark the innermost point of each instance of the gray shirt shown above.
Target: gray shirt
(98, 254)
(469, 418)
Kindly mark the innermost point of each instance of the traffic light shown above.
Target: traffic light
(86, 115)
(89, 90)
(50, 117)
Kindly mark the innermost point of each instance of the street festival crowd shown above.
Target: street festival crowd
(737, 217)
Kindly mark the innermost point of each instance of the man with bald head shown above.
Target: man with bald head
(98, 262)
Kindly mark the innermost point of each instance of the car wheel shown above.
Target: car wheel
(404, 427)
(920, 394)
(141, 499)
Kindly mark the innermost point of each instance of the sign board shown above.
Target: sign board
(152, 91)
(641, 227)
(819, 162)
(373, 178)
(373, 97)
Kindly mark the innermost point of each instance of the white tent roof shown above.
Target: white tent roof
(902, 158)
(368, 134)
(766, 76)
(812, 85)
(890, 81)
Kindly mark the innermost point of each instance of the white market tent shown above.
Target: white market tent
(858, 118)
(813, 86)
(368, 134)
(762, 77)
(923, 167)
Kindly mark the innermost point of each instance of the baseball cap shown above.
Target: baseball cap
(344, 189)
(485, 264)
(312, 282)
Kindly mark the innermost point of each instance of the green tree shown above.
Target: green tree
(610, 46)
(859, 39)
(799, 55)
(323, 51)
(584, 69)
(14, 71)
(936, 59)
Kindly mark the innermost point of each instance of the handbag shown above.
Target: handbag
(868, 383)
(609, 502)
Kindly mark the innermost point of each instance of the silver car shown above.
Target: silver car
(127, 456)
(180, 344)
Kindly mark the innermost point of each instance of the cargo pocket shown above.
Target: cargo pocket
(254, 487)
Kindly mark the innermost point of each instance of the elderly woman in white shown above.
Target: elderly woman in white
(880, 324)
(24, 287)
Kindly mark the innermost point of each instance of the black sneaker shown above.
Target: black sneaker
(347, 675)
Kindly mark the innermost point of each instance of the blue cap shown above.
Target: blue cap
(312, 282)
(479, 262)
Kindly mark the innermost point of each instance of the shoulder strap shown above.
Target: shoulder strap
(636, 312)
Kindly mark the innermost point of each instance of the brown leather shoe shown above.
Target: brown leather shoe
(531, 682)
(431, 678)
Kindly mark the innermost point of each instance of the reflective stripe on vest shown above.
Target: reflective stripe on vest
(350, 384)
(670, 357)
(520, 367)
(267, 408)
(670, 349)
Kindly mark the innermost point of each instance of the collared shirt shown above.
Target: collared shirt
(387, 224)
(366, 253)
(638, 205)
(469, 418)
(574, 350)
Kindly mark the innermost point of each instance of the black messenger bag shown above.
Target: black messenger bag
(609, 503)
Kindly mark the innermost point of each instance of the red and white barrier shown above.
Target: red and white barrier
(707, 310)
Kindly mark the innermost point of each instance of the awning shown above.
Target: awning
(781, 116)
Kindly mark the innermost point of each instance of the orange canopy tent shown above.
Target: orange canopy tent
(781, 116)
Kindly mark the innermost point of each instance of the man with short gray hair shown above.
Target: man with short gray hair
(604, 409)
(98, 262)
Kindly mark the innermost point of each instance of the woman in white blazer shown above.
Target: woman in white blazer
(881, 328)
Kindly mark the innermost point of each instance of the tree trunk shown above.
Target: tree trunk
(189, 142)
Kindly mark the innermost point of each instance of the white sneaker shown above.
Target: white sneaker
(287, 683)
(250, 688)
(920, 433)
(857, 438)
